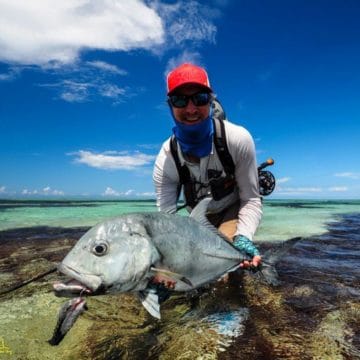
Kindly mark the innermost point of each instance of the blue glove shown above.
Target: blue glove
(242, 243)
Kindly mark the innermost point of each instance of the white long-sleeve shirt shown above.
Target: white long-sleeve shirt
(242, 150)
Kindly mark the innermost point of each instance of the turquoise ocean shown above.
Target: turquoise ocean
(282, 219)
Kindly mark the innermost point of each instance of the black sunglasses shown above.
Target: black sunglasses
(198, 99)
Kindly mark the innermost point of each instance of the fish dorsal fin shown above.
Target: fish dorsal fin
(150, 301)
(199, 214)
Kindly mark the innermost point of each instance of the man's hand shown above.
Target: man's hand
(244, 244)
(254, 264)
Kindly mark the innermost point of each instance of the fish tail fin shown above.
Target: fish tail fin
(277, 251)
(269, 274)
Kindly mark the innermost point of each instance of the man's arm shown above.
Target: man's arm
(166, 180)
(242, 150)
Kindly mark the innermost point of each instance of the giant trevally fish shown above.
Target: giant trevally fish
(124, 253)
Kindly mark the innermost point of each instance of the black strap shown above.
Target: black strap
(222, 148)
(183, 171)
(184, 176)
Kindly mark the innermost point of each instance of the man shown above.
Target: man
(237, 210)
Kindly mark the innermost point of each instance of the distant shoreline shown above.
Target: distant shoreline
(79, 200)
(72, 200)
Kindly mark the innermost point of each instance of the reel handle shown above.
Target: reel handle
(268, 162)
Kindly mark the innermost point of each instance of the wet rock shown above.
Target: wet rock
(333, 338)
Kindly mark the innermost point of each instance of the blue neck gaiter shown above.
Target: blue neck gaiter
(195, 139)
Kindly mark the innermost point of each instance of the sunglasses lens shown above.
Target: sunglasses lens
(179, 101)
(200, 99)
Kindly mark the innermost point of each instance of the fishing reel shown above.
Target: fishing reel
(266, 178)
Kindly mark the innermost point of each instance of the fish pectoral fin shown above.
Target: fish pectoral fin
(150, 301)
(172, 275)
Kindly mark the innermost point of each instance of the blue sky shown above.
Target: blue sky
(82, 90)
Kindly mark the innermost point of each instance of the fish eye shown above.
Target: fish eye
(100, 249)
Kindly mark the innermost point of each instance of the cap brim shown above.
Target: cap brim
(208, 89)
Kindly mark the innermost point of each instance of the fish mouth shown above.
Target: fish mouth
(79, 284)
(70, 288)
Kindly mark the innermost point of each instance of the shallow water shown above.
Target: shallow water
(314, 314)
(282, 219)
(18, 214)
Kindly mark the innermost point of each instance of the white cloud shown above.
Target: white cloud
(297, 190)
(188, 24)
(48, 191)
(111, 91)
(29, 192)
(303, 191)
(73, 91)
(87, 89)
(43, 31)
(283, 180)
(350, 175)
(2, 189)
(51, 36)
(104, 66)
(128, 193)
(110, 192)
(193, 57)
(147, 194)
(187, 21)
(45, 191)
(309, 189)
(112, 160)
(12, 73)
(338, 189)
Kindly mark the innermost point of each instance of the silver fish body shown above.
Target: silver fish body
(124, 253)
(121, 253)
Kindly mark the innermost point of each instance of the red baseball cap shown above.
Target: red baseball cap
(187, 74)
